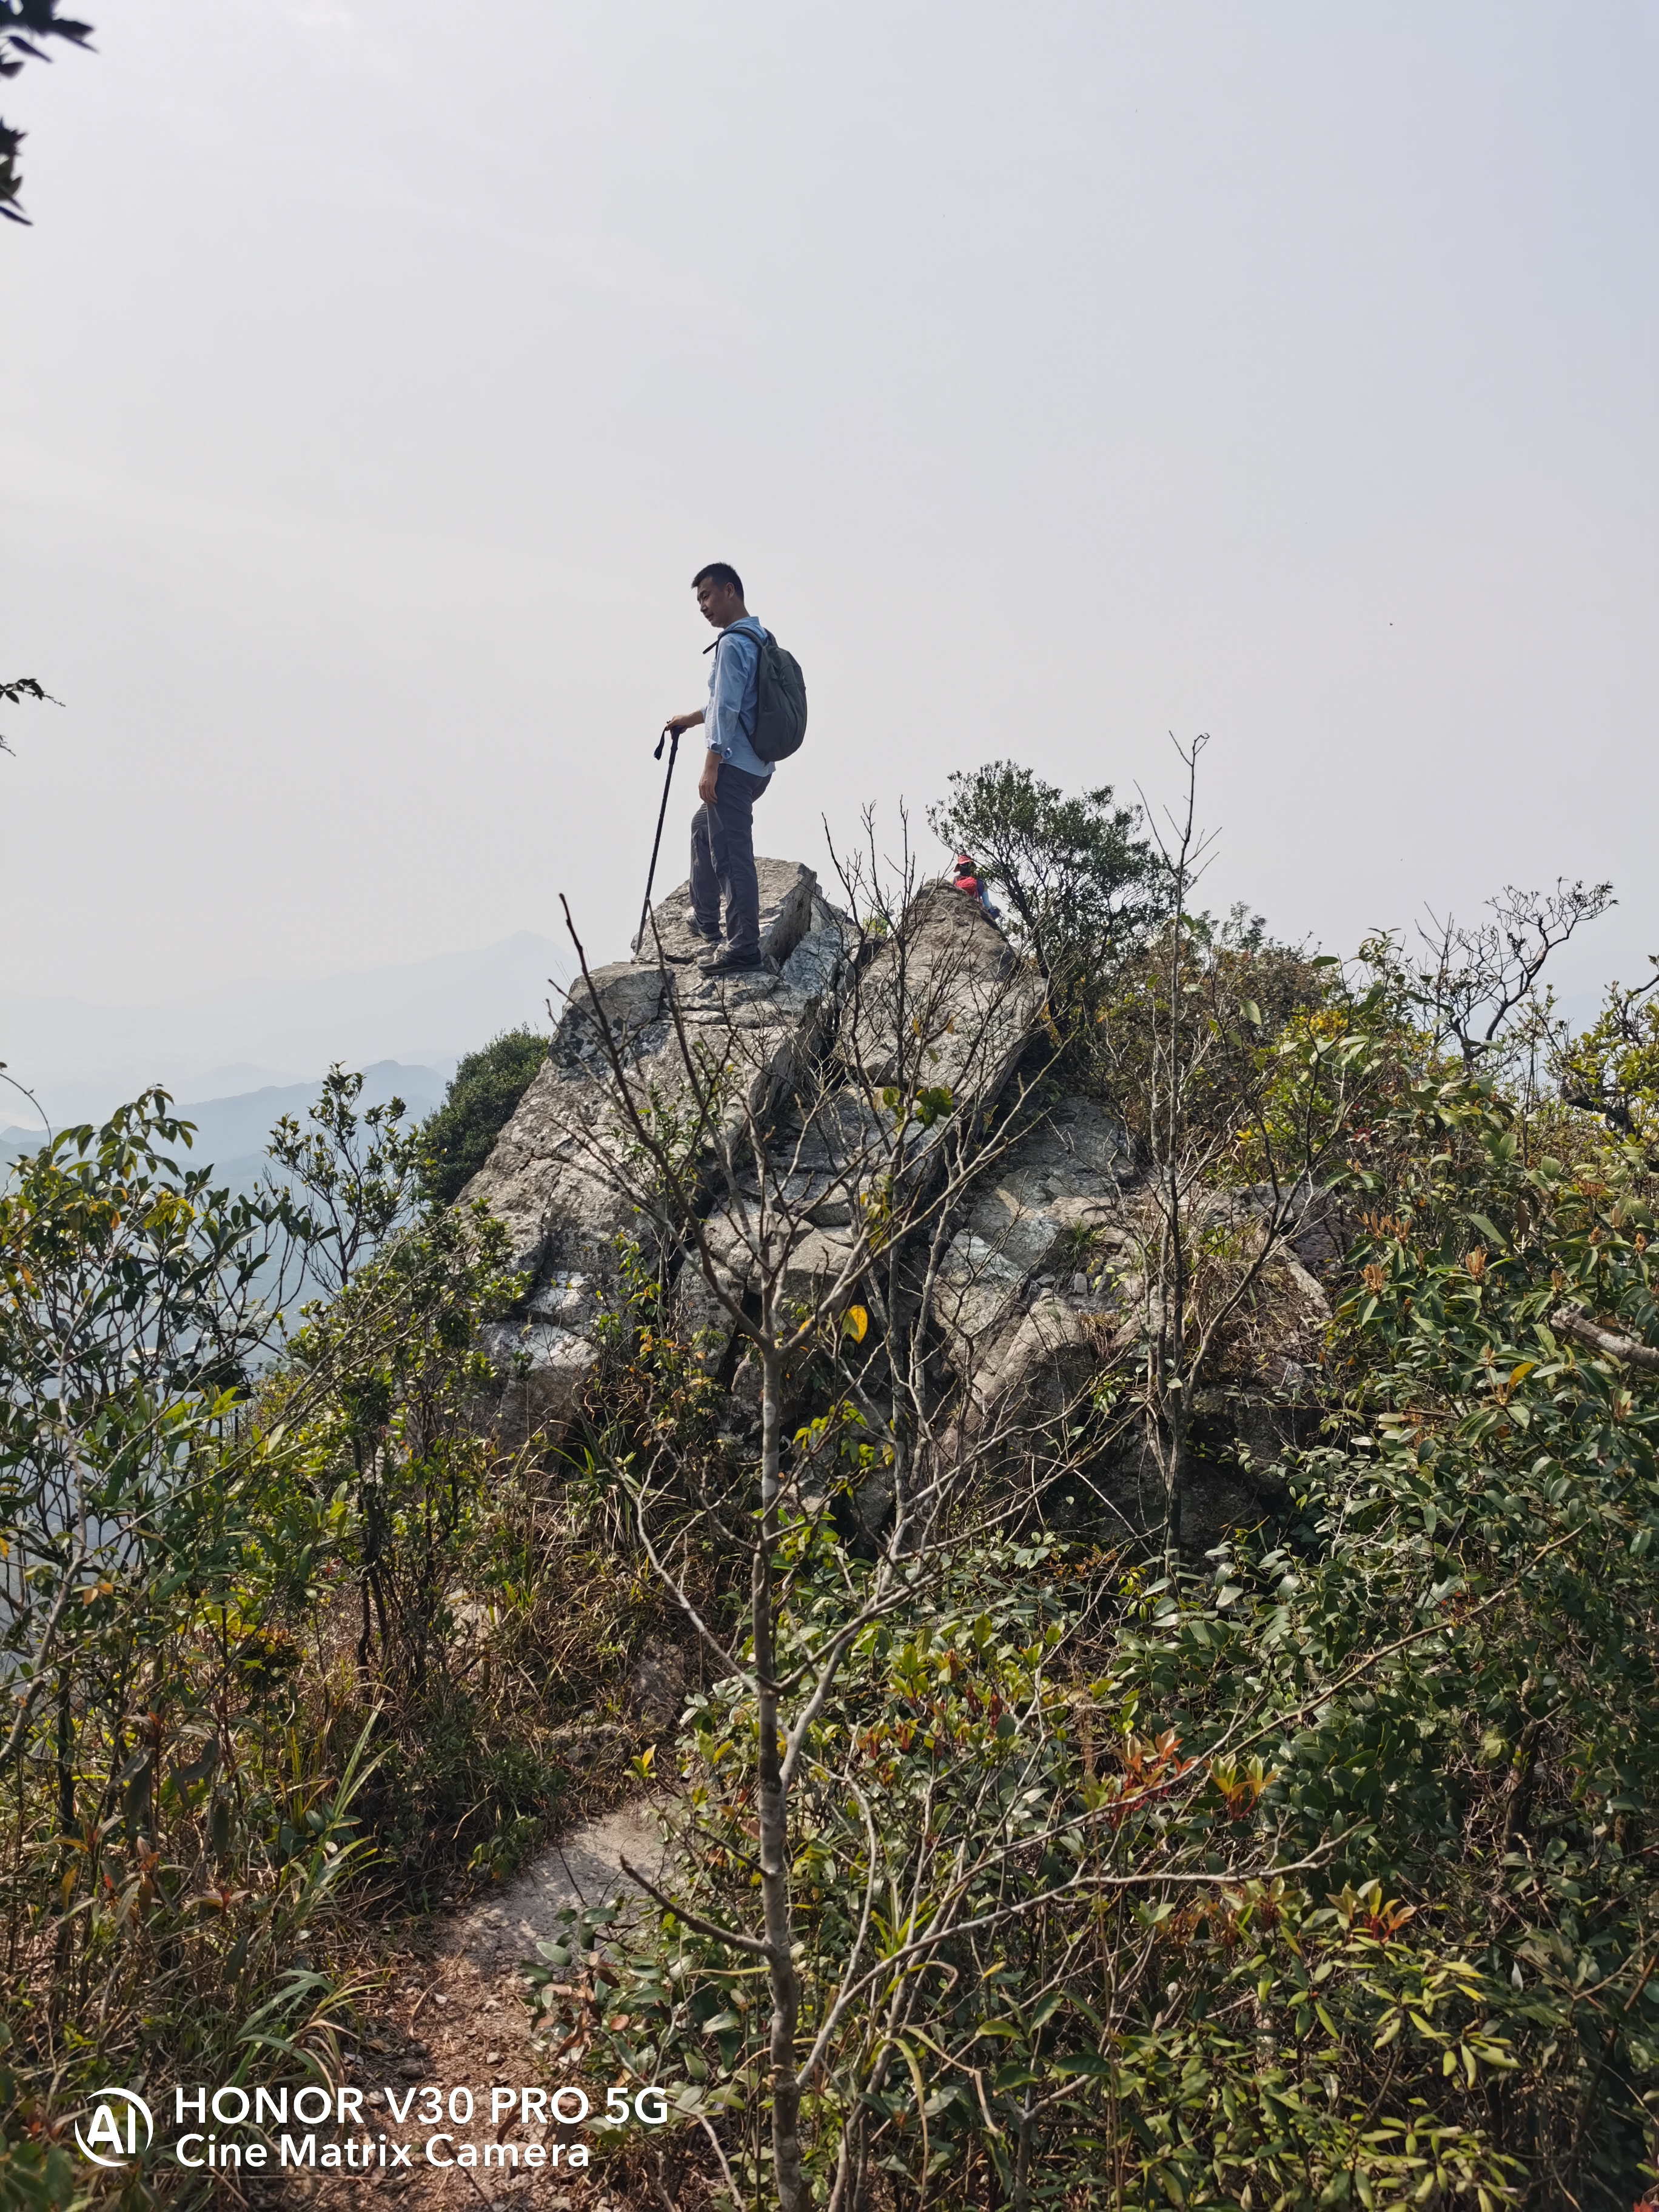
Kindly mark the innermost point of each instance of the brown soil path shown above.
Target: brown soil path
(451, 2019)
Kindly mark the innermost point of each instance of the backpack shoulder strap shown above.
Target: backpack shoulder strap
(757, 641)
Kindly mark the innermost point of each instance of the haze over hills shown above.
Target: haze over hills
(228, 1046)
(230, 1134)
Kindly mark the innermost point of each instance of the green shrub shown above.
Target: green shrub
(483, 1093)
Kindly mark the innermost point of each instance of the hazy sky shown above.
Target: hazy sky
(376, 376)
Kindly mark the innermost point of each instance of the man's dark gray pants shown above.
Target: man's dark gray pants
(723, 862)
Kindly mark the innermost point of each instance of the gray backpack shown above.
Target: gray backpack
(779, 699)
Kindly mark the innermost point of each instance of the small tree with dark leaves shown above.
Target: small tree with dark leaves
(23, 25)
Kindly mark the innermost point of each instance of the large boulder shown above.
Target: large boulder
(789, 904)
(569, 1175)
(934, 1019)
(1026, 1276)
(945, 1003)
(1044, 1284)
(850, 1073)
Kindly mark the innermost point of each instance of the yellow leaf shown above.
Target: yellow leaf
(857, 1321)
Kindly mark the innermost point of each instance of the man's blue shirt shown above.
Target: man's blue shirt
(728, 719)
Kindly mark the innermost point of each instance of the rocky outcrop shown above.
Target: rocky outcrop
(865, 1077)
(930, 1032)
(943, 1003)
(568, 1175)
(1043, 1286)
(1025, 1276)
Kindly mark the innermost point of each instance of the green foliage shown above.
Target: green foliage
(1252, 1010)
(1317, 1873)
(1613, 1068)
(349, 1180)
(484, 1091)
(132, 1319)
(196, 1512)
(927, 1103)
(394, 1368)
(23, 23)
(19, 687)
(1513, 1486)
(1042, 1946)
(1081, 887)
(174, 1841)
(1320, 1877)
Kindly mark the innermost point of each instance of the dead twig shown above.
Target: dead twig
(1567, 1321)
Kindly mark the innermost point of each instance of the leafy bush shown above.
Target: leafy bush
(234, 1563)
(175, 1840)
(1080, 884)
(1613, 1068)
(1318, 1876)
(477, 1106)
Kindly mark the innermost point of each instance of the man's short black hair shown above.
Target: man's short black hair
(720, 572)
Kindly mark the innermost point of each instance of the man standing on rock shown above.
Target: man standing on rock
(733, 777)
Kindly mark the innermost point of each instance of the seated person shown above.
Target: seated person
(966, 880)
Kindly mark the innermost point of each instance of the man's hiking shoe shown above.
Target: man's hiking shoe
(699, 928)
(734, 963)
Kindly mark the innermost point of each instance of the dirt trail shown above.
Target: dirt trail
(451, 2019)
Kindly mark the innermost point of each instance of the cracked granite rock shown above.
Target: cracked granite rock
(1049, 1212)
(566, 1175)
(943, 1004)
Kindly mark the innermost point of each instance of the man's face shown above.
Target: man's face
(719, 602)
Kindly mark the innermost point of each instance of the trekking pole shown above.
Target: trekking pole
(672, 738)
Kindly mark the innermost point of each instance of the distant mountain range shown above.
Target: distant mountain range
(231, 1133)
(264, 1037)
